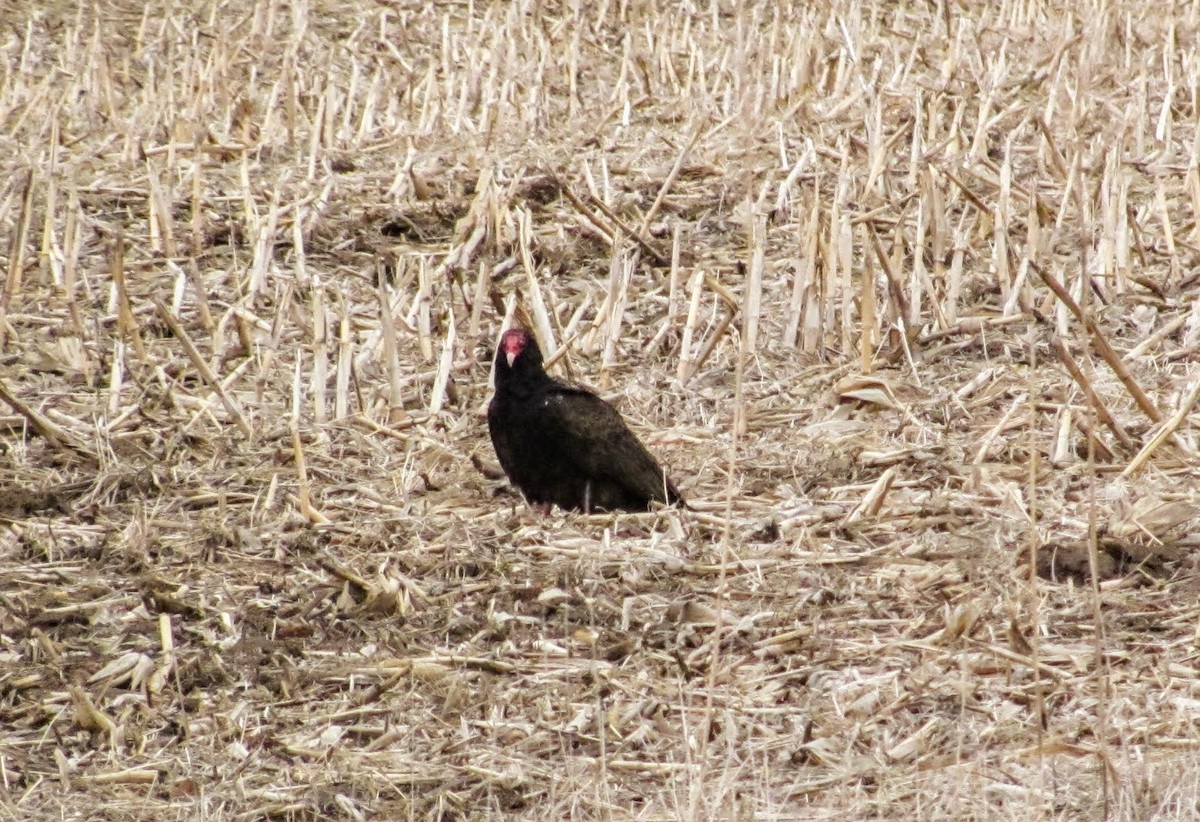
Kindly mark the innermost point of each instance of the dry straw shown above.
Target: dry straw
(903, 294)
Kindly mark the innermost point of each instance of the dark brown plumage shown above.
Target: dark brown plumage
(563, 445)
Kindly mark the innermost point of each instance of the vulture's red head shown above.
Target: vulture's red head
(515, 342)
(518, 365)
(519, 343)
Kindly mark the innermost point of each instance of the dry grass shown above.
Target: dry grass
(903, 293)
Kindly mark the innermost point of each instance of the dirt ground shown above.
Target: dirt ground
(904, 295)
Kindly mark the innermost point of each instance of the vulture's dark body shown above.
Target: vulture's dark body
(563, 445)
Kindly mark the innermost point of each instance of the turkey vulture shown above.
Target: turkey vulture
(564, 445)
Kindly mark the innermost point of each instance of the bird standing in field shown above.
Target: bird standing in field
(564, 446)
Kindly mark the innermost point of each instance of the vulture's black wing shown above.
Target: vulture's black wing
(614, 468)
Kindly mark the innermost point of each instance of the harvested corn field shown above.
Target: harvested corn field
(903, 295)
